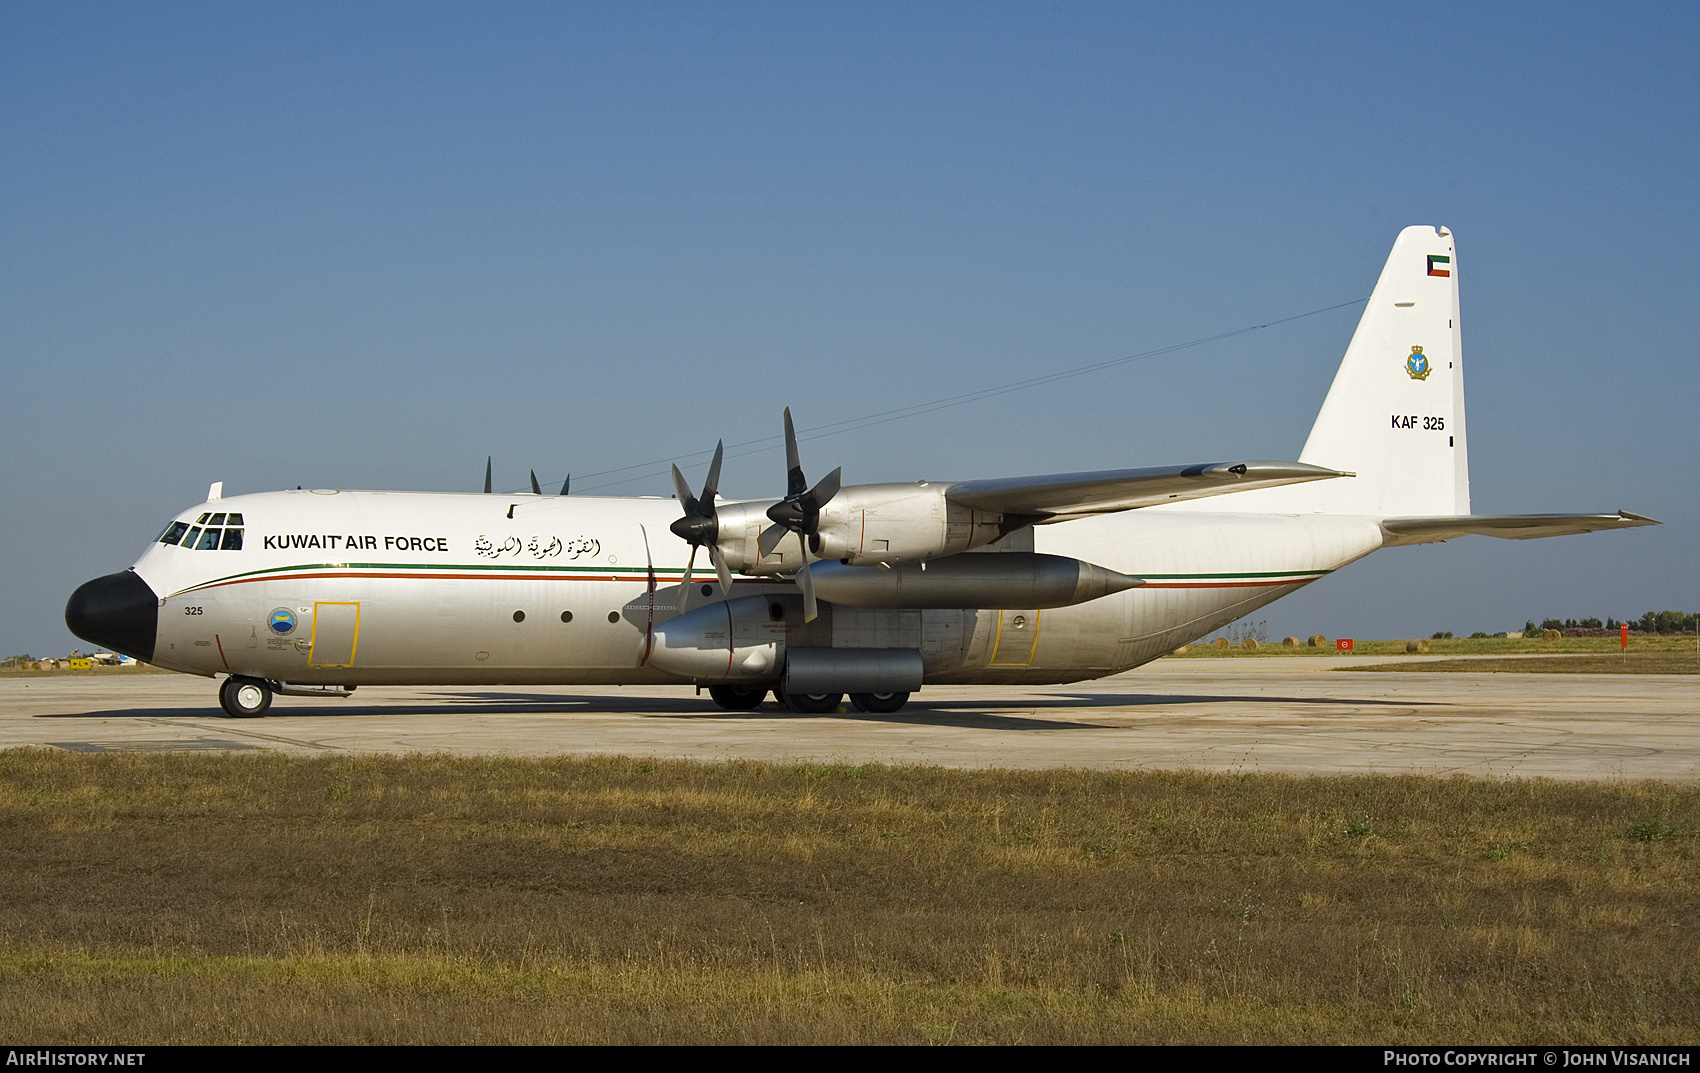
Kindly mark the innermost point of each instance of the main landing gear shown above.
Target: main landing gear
(245, 698)
(879, 703)
(748, 698)
(737, 698)
(810, 703)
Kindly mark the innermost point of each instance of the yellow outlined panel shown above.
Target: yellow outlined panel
(1017, 639)
(336, 630)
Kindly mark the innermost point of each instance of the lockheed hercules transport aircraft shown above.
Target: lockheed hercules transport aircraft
(874, 590)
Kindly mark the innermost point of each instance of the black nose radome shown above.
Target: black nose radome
(117, 611)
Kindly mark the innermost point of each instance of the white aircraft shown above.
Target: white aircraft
(872, 590)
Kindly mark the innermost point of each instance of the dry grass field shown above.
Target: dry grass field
(1626, 663)
(257, 898)
(1675, 645)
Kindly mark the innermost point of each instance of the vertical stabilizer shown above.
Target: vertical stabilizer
(1395, 412)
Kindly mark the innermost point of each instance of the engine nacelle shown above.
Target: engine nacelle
(730, 641)
(901, 523)
(864, 524)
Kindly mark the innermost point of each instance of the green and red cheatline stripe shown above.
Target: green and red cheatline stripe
(482, 571)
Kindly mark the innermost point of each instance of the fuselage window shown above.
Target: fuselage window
(174, 532)
(209, 541)
(189, 541)
(232, 540)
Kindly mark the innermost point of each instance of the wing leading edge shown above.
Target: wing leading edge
(1401, 531)
(1061, 496)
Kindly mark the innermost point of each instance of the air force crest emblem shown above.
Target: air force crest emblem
(281, 621)
(1417, 365)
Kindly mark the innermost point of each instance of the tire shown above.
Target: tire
(879, 703)
(245, 698)
(811, 703)
(738, 698)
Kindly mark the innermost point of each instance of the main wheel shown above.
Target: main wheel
(879, 703)
(737, 698)
(812, 703)
(245, 698)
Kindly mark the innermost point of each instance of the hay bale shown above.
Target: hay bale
(1181, 651)
(1318, 640)
(1417, 647)
(1289, 642)
(1550, 635)
(1221, 643)
(1249, 644)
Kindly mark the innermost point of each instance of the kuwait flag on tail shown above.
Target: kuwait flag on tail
(1439, 266)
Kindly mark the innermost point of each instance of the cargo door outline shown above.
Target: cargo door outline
(1017, 639)
(336, 631)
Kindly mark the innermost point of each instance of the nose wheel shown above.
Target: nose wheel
(245, 698)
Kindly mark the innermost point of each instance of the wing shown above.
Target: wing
(1060, 496)
(1506, 526)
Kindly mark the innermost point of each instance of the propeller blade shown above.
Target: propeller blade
(685, 585)
(566, 484)
(535, 490)
(795, 484)
(687, 502)
(770, 538)
(822, 493)
(810, 608)
(711, 487)
(486, 474)
(720, 569)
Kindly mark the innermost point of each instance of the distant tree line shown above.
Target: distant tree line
(1651, 622)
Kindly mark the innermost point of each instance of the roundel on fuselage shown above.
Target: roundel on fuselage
(281, 621)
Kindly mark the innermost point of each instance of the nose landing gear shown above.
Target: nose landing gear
(245, 698)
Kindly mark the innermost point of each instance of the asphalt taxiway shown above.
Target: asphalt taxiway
(1295, 715)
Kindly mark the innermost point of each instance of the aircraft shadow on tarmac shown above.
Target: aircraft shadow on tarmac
(971, 714)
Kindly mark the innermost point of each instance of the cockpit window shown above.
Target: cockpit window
(210, 538)
(217, 519)
(201, 520)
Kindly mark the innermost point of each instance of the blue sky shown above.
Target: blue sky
(366, 245)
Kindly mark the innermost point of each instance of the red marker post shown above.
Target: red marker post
(1344, 644)
(1624, 635)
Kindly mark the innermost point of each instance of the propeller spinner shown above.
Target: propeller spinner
(799, 512)
(700, 527)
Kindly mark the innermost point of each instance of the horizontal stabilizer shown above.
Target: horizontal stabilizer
(1402, 531)
(1059, 496)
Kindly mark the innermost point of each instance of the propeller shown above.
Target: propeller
(799, 512)
(700, 527)
(535, 490)
(486, 475)
(568, 483)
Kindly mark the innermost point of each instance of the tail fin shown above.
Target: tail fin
(1395, 413)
